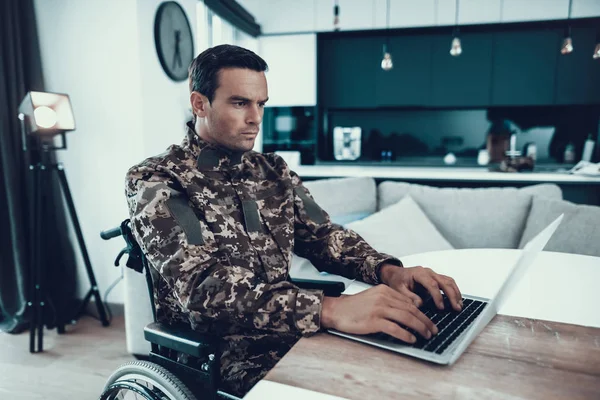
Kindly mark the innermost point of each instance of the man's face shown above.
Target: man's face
(232, 120)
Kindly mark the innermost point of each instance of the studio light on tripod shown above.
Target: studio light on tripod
(44, 116)
(47, 113)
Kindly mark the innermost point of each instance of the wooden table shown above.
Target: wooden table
(515, 357)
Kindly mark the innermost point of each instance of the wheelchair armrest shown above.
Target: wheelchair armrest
(180, 339)
(330, 288)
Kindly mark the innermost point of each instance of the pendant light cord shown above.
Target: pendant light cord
(387, 14)
(456, 30)
(456, 13)
(387, 27)
(568, 32)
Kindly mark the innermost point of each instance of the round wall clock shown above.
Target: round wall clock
(174, 40)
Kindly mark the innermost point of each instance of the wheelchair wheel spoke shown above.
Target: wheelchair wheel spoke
(146, 381)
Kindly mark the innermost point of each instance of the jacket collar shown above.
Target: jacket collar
(209, 156)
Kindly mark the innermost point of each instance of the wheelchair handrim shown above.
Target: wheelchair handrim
(153, 382)
(115, 389)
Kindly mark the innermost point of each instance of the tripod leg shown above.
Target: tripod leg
(84, 253)
(34, 204)
(84, 303)
(43, 184)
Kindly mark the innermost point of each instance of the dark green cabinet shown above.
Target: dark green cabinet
(347, 69)
(408, 83)
(517, 67)
(524, 67)
(578, 74)
(466, 80)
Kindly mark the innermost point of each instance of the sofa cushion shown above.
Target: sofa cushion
(472, 218)
(579, 232)
(345, 199)
(400, 230)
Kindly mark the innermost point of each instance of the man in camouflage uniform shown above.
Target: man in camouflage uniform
(219, 223)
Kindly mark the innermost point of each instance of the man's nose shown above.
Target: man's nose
(254, 115)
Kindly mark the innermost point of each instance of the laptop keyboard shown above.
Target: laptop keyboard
(450, 324)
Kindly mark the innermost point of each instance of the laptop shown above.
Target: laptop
(458, 329)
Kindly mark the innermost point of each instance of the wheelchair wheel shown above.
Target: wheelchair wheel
(144, 380)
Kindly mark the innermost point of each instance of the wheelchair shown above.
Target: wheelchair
(183, 364)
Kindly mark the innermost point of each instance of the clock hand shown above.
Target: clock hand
(177, 54)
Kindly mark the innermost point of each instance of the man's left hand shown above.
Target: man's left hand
(405, 280)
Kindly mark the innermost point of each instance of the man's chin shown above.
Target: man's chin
(246, 145)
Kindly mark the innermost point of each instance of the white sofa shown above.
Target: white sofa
(401, 219)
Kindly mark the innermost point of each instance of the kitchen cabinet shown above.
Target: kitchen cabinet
(534, 10)
(292, 74)
(578, 74)
(524, 67)
(407, 13)
(479, 12)
(346, 71)
(354, 15)
(408, 83)
(464, 81)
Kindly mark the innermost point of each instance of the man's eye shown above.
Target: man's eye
(261, 105)
(240, 103)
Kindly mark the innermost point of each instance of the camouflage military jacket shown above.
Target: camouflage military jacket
(220, 228)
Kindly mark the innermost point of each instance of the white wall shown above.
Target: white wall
(166, 104)
(292, 74)
(101, 52)
(90, 51)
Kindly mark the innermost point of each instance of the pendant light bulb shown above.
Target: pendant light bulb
(567, 43)
(386, 62)
(336, 17)
(567, 46)
(456, 48)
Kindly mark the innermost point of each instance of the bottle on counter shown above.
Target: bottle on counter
(588, 149)
(530, 150)
(570, 154)
(483, 157)
(498, 140)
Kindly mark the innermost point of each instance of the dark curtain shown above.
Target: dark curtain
(20, 72)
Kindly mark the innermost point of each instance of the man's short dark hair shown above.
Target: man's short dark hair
(204, 69)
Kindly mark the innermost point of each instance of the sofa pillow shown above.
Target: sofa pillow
(345, 199)
(400, 230)
(579, 231)
(472, 218)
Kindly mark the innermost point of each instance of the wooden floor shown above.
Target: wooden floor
(74, 365)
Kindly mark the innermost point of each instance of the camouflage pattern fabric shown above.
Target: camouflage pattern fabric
(219, 228)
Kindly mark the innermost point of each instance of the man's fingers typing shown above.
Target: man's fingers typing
(405, 301)
(393, 329)
(434, 290)
(410, 316)
(451, 289)
(417, 301)
(400, 296)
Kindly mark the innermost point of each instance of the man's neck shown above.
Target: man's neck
(200, 129)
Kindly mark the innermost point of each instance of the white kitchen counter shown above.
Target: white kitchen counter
(438, 174)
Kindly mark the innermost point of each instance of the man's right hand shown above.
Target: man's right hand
(377, 309)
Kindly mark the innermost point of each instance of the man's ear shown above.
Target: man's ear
(199, 104)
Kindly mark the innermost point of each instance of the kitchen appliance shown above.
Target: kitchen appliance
(346, 142)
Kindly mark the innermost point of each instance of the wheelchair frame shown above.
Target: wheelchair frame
(191, 356)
